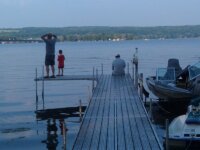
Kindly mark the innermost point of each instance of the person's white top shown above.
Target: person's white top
(118, 66)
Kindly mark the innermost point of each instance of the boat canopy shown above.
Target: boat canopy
(165, 74)
(191, 72)
(194, 71)
(169, 73)
(195, 101)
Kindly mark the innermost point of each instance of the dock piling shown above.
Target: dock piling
(136, 76)
(43, 86)
(150, 110)
(93, 79)
(89, 94)
(133, 73)
(167, 134)
(36, 89)
(141, 85)
(101, 69)
(97, 76)
(127, 68)
(135, 62)
(64, 130)
(80, 109)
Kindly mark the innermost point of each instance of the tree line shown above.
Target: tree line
(96, 33)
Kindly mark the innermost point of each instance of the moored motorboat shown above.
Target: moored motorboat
(184, 130)
(171, 84)
(168, 90)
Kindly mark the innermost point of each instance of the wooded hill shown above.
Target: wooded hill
(101, 33)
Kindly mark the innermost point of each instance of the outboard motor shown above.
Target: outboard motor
(174, 63)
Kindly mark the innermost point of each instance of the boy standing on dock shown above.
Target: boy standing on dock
(61, 59)
(50, 41)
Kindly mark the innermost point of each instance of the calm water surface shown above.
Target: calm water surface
(18, 126)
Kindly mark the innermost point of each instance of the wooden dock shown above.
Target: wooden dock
(116, 118)
(68, 77)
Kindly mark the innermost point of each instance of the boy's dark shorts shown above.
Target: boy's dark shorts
(50, 60)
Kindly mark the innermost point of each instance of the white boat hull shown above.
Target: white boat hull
(182, 135)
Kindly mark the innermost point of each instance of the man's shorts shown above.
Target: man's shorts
(50, 60)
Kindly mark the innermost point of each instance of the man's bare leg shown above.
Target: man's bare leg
(53, 70)
(47, 70)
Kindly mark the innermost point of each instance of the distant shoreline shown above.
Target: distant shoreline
(33, 34)
(114, 40)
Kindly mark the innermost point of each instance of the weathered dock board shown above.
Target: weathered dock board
(116, 118)
(68, 77)
(59, 113)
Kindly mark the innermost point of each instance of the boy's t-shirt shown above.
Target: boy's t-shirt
(61, 59)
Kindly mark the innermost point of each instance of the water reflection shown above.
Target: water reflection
(52, 128)
(55, 121)
(56, 127)
(52, 136)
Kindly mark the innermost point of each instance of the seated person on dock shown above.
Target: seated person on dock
(118, 66)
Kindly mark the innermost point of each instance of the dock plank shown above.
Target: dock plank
(121, 143)
(86, 120)
(111, 122)
(147, 127)
(137, 132)
(126, 119)
(98, 122)
(93, 118)
(104, 127)
(116, 118)
(68, 77)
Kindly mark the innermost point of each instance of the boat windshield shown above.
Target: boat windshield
(194, 71)
(165, 74)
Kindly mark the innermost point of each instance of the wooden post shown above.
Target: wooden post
(133, 74)
(89, 94)
(36, 89)
(102, 69)
(136, 76)
(167, 134)
(141, 85)
(97, 76)
(150, 109)
(80, 110)
(64, 130)
(127, 68)
(135, 62)
(93, 80)
(43, 86)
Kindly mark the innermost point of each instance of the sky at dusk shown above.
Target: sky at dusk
(64, 13)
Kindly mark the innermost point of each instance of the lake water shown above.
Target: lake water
(18, 126)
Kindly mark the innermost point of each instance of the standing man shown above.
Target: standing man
(118, 66)
(50, 41)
